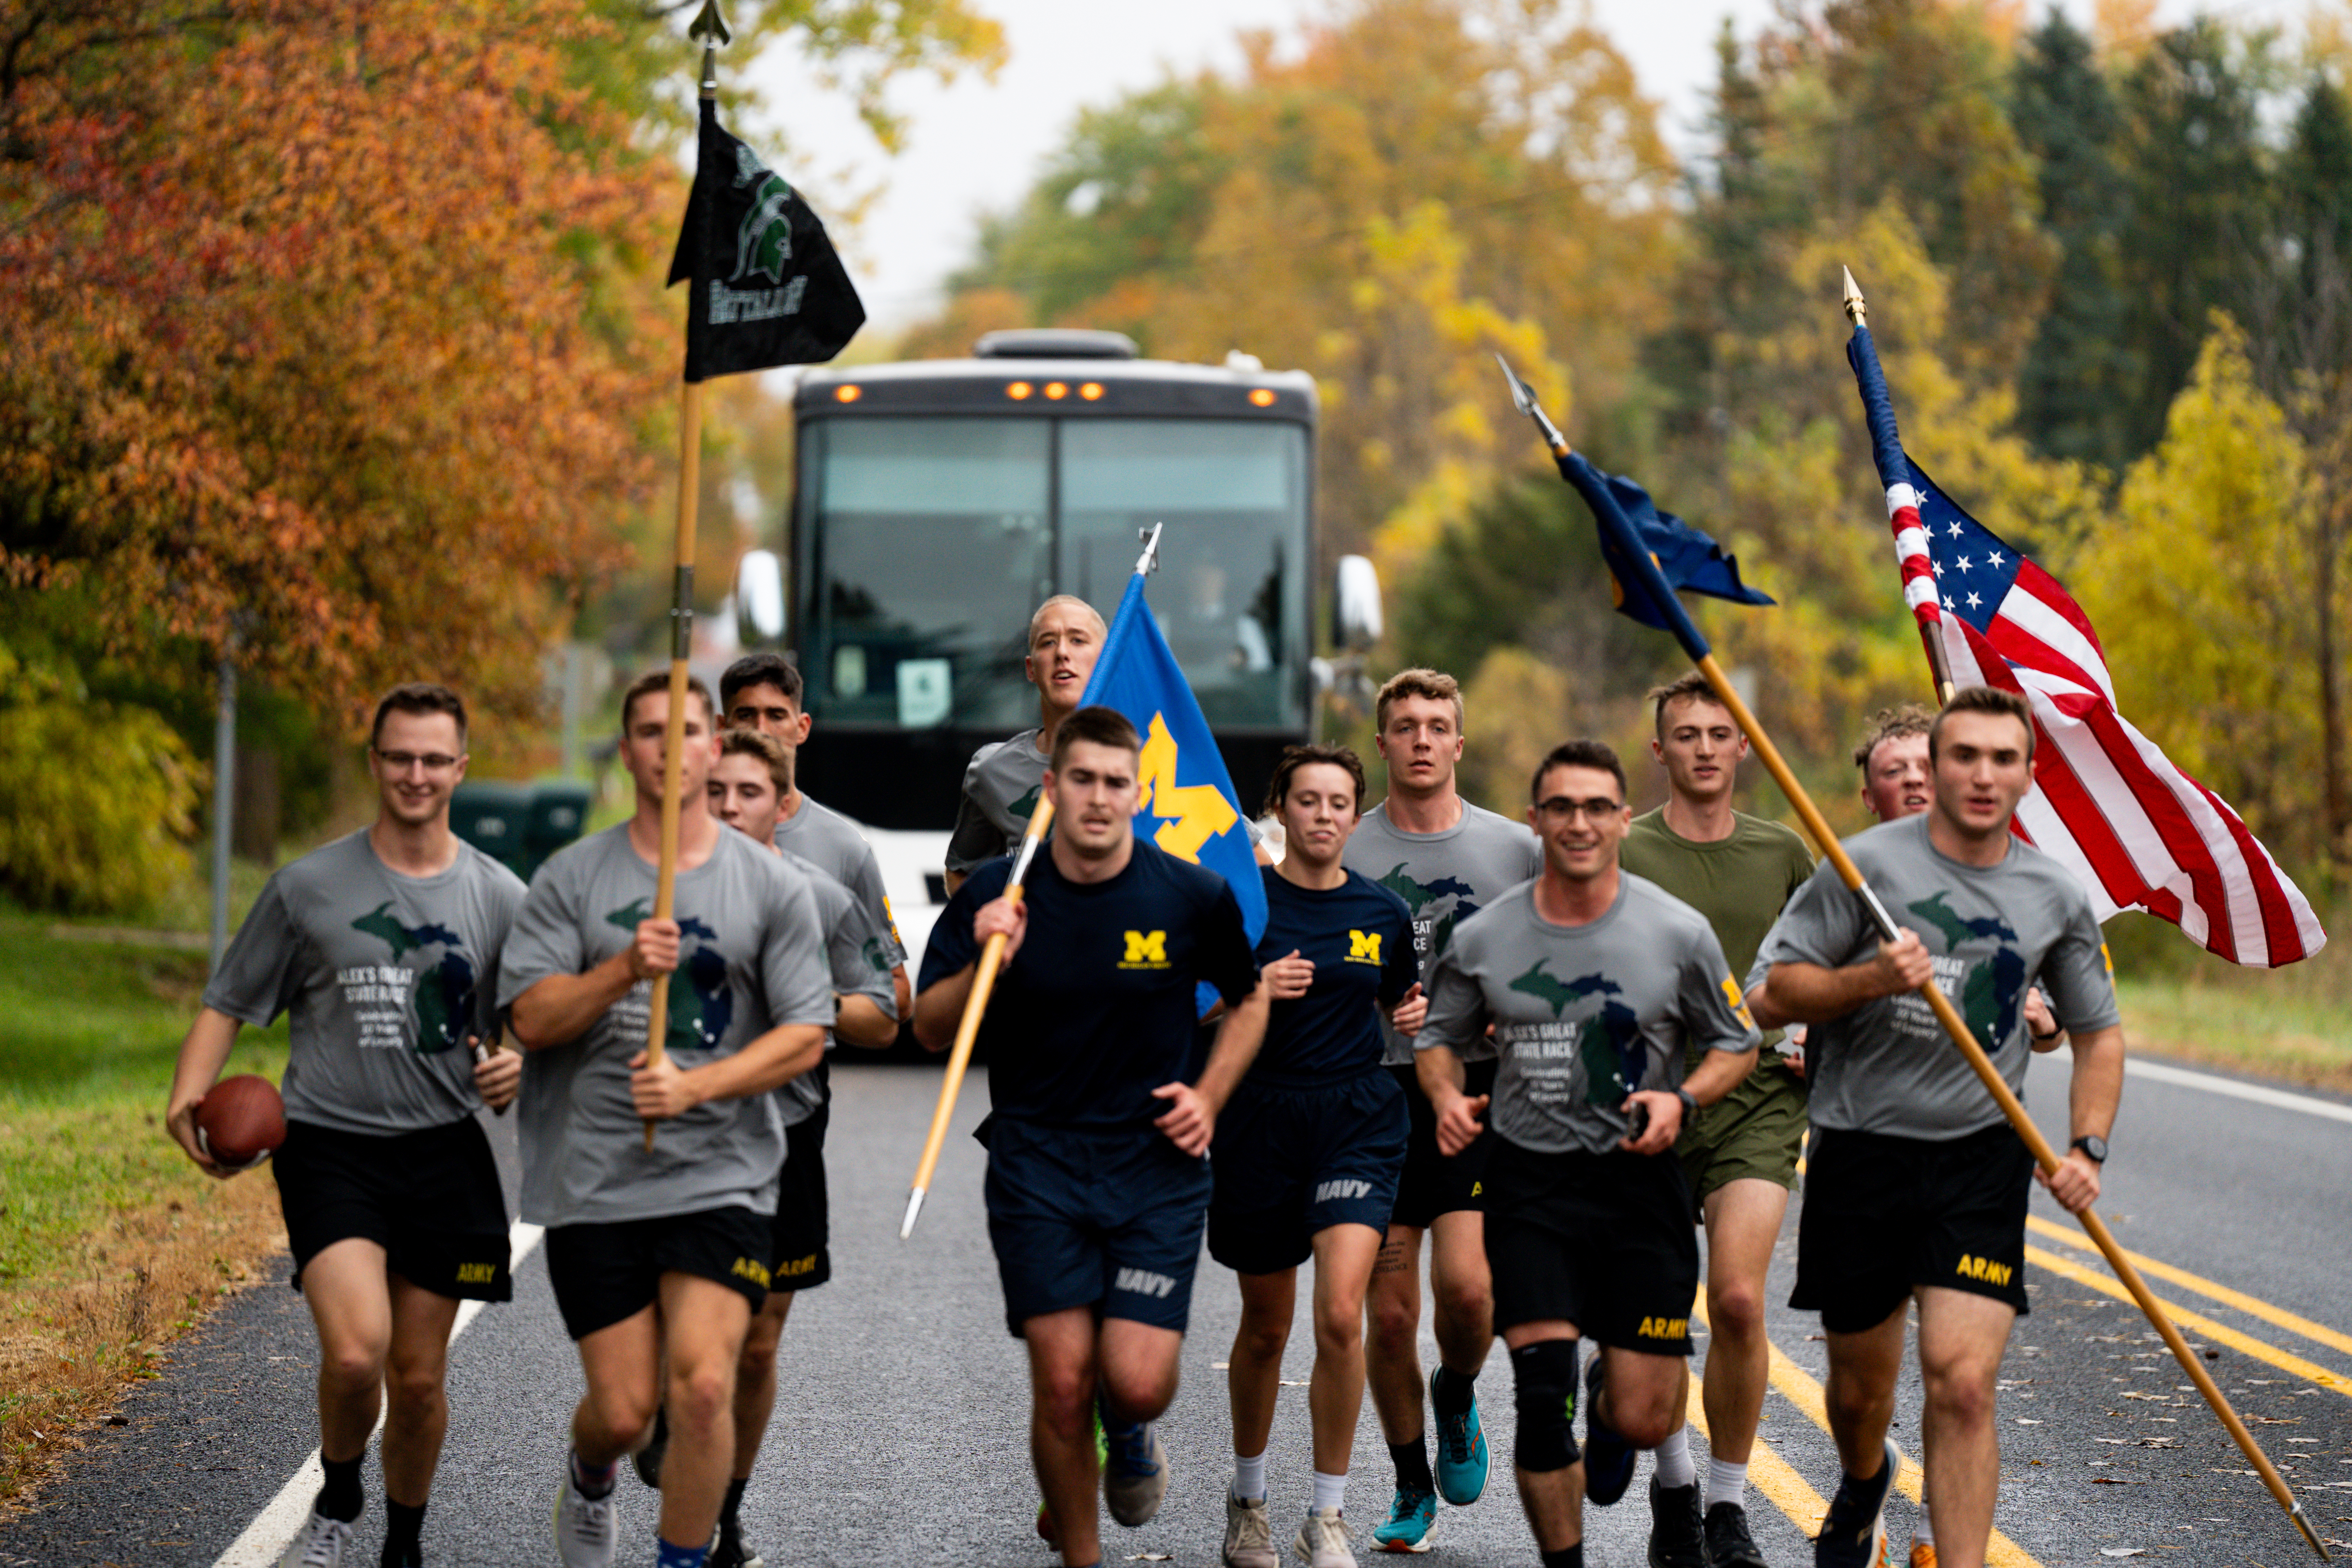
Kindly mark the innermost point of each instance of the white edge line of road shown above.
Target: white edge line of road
(2279, 1098)
(276, 1525)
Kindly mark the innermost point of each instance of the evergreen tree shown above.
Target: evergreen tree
(2072, 390)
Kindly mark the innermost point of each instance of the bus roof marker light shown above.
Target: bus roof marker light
(1018, 391)
(1058, 390)
(1263, 396)
(1091, 391)
(847, 393)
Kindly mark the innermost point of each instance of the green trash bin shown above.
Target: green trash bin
(559, 812)
(494, 816)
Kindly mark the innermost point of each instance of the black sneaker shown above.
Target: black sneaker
(1676, 1538)
(648, 1459)
(1855, 1527)
(1608, 1458)
(1729, 1544)
(731, 1552)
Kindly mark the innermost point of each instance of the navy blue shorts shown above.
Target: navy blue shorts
(1292, 1161)
(1109, 1220)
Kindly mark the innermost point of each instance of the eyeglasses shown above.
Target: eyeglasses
(431, 762)
(1559, 806)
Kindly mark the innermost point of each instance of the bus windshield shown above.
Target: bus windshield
(925, 542)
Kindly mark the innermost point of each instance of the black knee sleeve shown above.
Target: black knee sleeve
(1544, 1377)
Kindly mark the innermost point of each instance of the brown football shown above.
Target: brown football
(242, 1120)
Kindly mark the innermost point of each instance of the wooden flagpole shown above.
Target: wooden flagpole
(1653, 581)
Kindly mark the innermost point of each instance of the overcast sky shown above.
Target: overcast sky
(974, 147)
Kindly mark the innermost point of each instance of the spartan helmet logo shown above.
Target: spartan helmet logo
(764, 243)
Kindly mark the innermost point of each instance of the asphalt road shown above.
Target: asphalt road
(900, 1435)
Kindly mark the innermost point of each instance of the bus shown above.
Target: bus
(937, 502)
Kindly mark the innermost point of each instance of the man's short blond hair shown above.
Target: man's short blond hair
(1436, 686)
(1039, 614)
(742, 741)
(1692, 686)
(1894, 723)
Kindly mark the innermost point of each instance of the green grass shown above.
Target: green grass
(2273, 1032)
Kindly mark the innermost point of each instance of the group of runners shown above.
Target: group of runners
(1545, 1051)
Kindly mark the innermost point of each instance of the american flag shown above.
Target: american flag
(2137, 832)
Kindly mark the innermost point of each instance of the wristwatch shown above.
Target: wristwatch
(2093, 1148)
(1690, 1105)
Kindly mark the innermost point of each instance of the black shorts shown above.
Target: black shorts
(1432, 1182)
(1109, 1220)
(429, 1198)
(604, 1272)
(800, 1251)
(1602, 1241)
(1884, 1214)
(1289, 1163)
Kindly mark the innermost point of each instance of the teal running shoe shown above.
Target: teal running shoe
(1461, 1452)
(1411, 1516)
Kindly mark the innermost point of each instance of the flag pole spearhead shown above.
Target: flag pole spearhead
(1523, 398)
(1148, 562)
(710, 25)
(1857, 309)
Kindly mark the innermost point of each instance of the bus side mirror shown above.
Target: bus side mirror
(1356, 605)
(760, 597)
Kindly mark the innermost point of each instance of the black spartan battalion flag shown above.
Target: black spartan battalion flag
(767, 289)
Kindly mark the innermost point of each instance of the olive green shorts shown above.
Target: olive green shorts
(1756, 1130)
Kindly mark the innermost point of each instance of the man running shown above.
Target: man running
(762, 692)
(1600, 987)
(750, 776)
(385, 946)
(1446, 859)
(1097, 1173)
(999, 786)
(1309, 1149)
(1915, 1187)
(1739, 1156)
(658, 1258)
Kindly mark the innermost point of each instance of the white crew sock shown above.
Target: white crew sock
(1727, 1482)
(1330, 1491)
(1249, 1477)
(1922, 1529)
(1674, 1457)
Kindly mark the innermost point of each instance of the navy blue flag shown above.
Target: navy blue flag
(766, 288)
(1650, 553)
(1186, 799)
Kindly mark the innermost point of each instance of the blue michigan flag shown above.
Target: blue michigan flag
(1185, 802)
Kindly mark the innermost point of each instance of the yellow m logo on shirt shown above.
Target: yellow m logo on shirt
(1189, 815)
(1146, 950)
(1363, 947)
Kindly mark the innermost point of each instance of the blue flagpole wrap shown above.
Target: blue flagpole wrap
(1877, 410)
(1187, 803)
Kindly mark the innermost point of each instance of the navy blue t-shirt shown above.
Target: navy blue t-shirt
(1358, 937)
(1097, 1009)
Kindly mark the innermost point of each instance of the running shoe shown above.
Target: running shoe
(321, 1544)
(1729, 1544)
(648, 1459)
(1461, 1452)
(1249, 1533)
(1855, 1532)
(1323, 1540)
(1137, 1476)
(587, 1529)
(731, 1552)
(1413, 1513)
(1608, 1458)
(1676, 1532)
(1923, 1555)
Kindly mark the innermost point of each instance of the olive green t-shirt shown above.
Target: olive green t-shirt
(1738, 883)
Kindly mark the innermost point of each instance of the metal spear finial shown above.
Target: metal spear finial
(1857, 309)
(1523, 398)
(710, 25)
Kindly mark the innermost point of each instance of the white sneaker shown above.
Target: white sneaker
(1323, 1540)
(1249, 1533)
(587, 1529)
(319, 1545)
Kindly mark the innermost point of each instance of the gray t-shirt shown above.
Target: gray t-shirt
(1994, 930)
(1444, 879)
(751, 960)
(999, 791)
(831, 842)
(384, 974)
(1585, 1015)
(850, 950)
